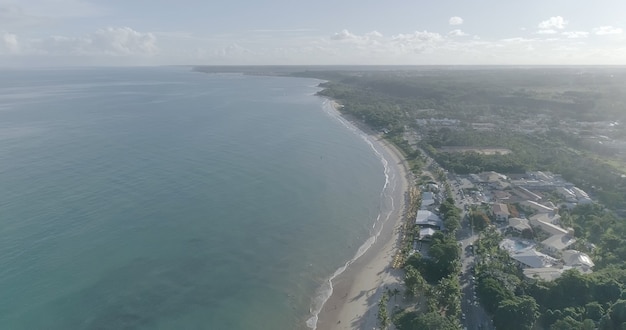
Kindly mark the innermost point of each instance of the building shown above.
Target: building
(558, 242)
(533, 259)
(547, 217)
(540, 208)
(427, 219)
(519, 225)
(500, 212)
(548, 227)
(545, 274)
(426, 234)
(577, 259)
(428, 200)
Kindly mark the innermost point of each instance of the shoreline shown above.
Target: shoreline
(353, 303)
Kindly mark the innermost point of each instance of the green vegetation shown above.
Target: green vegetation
(573, 301)
(383, 318)
(544, 117)
(550, 151)
(436, 278)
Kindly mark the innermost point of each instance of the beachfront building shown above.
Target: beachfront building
(428, 200)
(428, 220)
(426, 234)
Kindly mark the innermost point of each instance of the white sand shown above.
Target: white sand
(357, 291)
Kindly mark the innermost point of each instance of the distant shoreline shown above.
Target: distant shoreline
(357, 291)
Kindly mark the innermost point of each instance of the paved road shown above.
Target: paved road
(475, 315)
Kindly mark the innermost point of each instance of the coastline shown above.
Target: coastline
(356, 292)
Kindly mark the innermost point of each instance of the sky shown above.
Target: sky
(322, 32)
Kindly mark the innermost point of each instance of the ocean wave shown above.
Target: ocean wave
(325, 291)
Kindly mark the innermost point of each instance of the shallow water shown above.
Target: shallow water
(160, 198)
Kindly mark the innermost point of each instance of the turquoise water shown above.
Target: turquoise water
(159, 198)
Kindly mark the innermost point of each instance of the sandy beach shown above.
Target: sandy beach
(357, 291)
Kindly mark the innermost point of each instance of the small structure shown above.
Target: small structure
(577, 259)
(547, 218)
(500, 212)
(428, 200)
(540, 208)
(545, 273)
(426, 234)
(501, 195)
(559, 242)
(533, 259)
(519, 225)
(427, 219)
(547, 227)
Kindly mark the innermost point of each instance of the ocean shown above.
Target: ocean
(161, 198)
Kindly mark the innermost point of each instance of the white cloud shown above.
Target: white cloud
(575, 34)
(548, 31)
(374, 35)
(343, 35)
(606, 30)
(418, 41)
(9, 42)
(555, 22)
(455, 20)
(124, 41)
(457, 33)
(111, 41)
(348, 36)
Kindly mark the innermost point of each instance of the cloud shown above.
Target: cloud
(120, 41)
(575, 34)
(607, 30)
(555, 22)
(374, 35)
(455, 20)
(343, 35)
(457, 33)
(548, 31)
(348, 36)
(124, 41)
(9, 42)
(418, 41)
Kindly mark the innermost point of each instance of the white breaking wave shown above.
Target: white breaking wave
(325, 291)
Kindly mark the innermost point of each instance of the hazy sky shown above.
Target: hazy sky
(153, 32)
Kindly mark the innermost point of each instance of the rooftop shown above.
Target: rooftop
(534, 259)
(559, 242)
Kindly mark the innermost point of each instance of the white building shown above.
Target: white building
(533, 259)
(428, 219)
(558, 242)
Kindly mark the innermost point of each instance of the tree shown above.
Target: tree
(492, 292)
(594, 311)
(618, 313)
(414, 281)
(517, 313)
(427, 321)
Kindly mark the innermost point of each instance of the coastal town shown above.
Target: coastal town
(523, 209)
